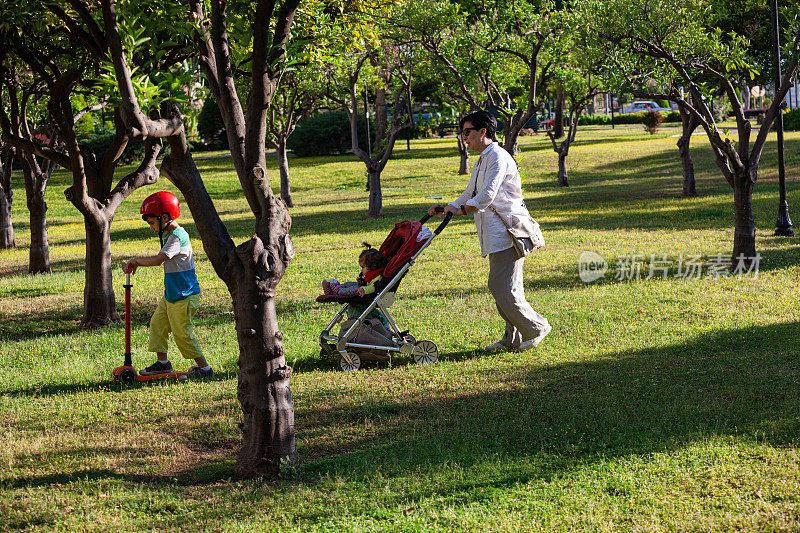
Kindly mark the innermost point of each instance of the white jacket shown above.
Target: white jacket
(494, 181)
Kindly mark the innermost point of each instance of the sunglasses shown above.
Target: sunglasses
(466, 131)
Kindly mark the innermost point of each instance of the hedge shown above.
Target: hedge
(628, 118)
(134, 151)
(791, 120)
(325, 134)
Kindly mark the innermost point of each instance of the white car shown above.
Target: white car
(644, 105)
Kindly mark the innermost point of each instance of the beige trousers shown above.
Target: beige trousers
(505, 284)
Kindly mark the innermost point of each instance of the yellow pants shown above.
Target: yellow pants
(177, 319)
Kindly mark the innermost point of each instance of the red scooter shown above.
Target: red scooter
(127, 373)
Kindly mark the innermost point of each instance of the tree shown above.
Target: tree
(367, 54)
(580, 73)
(36, 175)
(528, 34)
(47, 49)
(688, 54)
(299, 91)
(27, 118)
(293, 102)
(465, 72)
(257, 35)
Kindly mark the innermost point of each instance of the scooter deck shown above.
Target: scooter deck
(129, 372)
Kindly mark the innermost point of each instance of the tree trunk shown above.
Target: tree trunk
(744, 237)
(688, 125)
(39, 256)
(6, 224)
(563, 179)
(558, 122)
(380, 116)
(687, 165)
(263, 391)
(463, 152)
(283, 169)
(375, 198)
(99, 305)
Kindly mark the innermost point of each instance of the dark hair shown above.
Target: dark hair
(373, 258)
(481, 119)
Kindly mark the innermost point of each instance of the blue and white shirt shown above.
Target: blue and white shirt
(180, 280)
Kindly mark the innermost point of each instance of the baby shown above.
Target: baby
(372, 262)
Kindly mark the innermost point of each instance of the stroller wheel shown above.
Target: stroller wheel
(351, 365)
(425, 352)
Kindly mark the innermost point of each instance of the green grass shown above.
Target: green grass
(655, 405)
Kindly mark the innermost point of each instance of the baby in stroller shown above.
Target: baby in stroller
(372, 262)
(367, 330)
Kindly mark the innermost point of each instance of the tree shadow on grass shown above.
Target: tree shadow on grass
(542, 420)
(733, 383)
(108, 384)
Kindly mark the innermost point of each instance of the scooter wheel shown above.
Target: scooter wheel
(126, 376)
(351, 364)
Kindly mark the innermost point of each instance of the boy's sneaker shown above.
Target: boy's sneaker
(196, 372)
(159, 367)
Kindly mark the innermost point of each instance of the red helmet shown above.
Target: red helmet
(159, 203)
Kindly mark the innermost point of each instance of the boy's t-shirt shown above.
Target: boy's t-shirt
(180, 279)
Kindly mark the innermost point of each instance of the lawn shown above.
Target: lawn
(661, 404)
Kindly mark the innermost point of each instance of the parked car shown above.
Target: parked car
(644, 105)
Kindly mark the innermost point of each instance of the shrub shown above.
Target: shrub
(85, 125)
(100, 142)
(791, 120)
(325, 134)
(210, 126)
(596, 120)
(652, 120)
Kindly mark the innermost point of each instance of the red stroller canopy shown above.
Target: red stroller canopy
(401, 245)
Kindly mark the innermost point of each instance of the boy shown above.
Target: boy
(181, 289)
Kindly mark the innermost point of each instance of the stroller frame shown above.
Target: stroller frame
(349, 360)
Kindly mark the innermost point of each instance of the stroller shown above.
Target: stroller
(370, 332)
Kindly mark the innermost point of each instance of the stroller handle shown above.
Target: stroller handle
(447, 218)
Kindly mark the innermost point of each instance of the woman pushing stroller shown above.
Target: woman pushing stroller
(495, 191)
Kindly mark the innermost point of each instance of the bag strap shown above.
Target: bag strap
(499, 216)
(477, 173)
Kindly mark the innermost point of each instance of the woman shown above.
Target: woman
(495, 190)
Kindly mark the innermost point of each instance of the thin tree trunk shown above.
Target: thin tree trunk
(6, 224)
(563, 179)
(99, 304)
(689, 189)
(375, 198)
(6, 199)
(689, 124)
(380, 115)
(39, 256)
(463, 152)
(283, 169)
(558, 121)
(744, 237)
